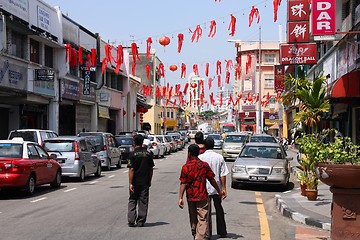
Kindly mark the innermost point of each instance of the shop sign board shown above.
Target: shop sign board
(323, 17)
(302, 53)
(298, 10)
(298, 32)
(13, 75)
(70, 89)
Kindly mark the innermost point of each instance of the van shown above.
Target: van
(107, 148)
(33, 135)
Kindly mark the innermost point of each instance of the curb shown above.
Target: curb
(298, 217)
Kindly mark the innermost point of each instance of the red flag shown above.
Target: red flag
(196, 69)
(207, 69)
(161, 70)
(180, 41)
(183, 71)
(135, 52)
(231, 100)
(148, 47)
(73, 58)
(227, 78)
(68, 52)
(232, 25)
(103, 65)
(119, 58)
(254, 12)
(276, 4)
(218, 67)
(238, 69)
(229, 65)
(197, 33)
(108, 54)
(248, 63)
(158, 93)
(219, 80)
(80, 55)
(212, 29)
(210, 82)
(185, 88)
(93, 57)
(221, 99)
(147, 69)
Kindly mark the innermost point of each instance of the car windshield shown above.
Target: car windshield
(10, 150)
(262, 139)
(124, 141)
(215, 136)
(261, 152)
(59, 145)
(26, 135)
(235, 138)
(161, 139)
(168, 138)
(151, 138)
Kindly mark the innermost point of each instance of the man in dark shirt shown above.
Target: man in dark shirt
(140, 166)
(193, 179)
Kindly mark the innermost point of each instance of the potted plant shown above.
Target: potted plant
(311, 187)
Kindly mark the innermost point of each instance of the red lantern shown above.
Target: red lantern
(164, 41)
(173, 68)
(193, 85)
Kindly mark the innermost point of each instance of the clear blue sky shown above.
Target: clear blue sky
(121, 22)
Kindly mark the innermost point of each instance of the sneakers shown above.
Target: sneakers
(139, 224)
(132, 224)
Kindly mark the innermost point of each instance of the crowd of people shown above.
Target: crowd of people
(202, 178)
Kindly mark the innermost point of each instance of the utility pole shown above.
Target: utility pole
(260, 118)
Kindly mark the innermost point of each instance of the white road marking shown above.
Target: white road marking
(126, 171)
(69, 190)
(38, 200)
(111, 176)
(93, 182)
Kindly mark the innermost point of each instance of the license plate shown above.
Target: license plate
(258, 178)
(122, 149)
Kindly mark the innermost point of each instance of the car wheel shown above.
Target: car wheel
(118, 165)
(234, 185)
(30, 185)
(82, 175)
(98, 171)
(57, 180)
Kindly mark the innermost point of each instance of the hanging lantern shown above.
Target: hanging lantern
(164, 41)
(193, 85)
(173, 68)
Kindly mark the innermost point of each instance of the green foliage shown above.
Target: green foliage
(206, 115)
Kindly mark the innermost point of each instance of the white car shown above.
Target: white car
(33, 135)
(156, 148)
(165, 143)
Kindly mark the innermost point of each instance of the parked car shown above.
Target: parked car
(173, 143)
(156, 148)
(232, 144)
(180, 143)
(165, 143)
(76, 155)
(106, 147)
(25, 165)
(126, 146)
(192, 133)
(261, 163)
(185, 134)
(33, 135)
(217, 140)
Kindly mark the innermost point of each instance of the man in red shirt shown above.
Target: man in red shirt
(193, 179)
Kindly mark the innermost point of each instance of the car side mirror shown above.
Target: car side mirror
(52, 156)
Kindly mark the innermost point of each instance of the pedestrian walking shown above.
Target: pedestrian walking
(193, 180)
(140, 166)
(218, 166)
(199, 140)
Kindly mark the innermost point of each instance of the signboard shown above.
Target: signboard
(70, 89)
(103, 112)
(92, 96)
(43, 18)
(298, 10)
(44, 75)
(13, 75)
(298, 32)
(18, 8)
(87, 83)
(302, 53)
(323, 17)
(279, 78)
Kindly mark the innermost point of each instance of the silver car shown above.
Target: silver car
(165, 143)
(76, 156)
(261, 163)
(217, 140)
(232, 144)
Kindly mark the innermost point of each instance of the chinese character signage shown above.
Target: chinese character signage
(302, 53)
(298, 32)
(323, 17)
(298, 10)
(279, 78)
(86, 89)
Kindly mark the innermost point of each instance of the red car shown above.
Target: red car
(26, 165)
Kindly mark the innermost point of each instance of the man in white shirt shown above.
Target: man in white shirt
(218, 166)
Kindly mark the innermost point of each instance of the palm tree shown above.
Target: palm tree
(310, 96)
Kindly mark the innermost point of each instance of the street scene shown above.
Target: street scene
(208, 119)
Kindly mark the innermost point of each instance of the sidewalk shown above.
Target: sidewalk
(313, 213)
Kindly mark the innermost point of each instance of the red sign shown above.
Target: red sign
(298, 10)
(298, 32)
(279, 78)
(323, 17)
(302, 53)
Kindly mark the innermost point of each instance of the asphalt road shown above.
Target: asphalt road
(97, 209)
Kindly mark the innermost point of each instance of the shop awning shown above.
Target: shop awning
(348, 86)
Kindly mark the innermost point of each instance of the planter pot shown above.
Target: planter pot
(339, 175)
(311, 194)
(303, 189)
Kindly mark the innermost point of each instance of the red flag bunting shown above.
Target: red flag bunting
(218, 67)
(197, 33)
(207, 69)
(196, 69)
(180, 41)
(212, 29)
(254, 13)
(183, 71)
(232, 25)
(148, 47)
(80, 55)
